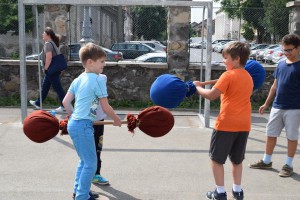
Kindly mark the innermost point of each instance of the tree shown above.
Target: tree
(270, 18)
(248, 32)
(277, 26)
(150, 22)
(9, 17)
(248, 11)
(253, 13)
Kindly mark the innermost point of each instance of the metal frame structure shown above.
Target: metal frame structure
(164, 3)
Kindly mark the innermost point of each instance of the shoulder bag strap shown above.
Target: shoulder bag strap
(55, 49)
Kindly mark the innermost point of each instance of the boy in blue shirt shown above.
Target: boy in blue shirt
(88, 90)
(285, 112)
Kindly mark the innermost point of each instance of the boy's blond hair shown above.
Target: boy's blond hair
(90, 51)
(237, 49)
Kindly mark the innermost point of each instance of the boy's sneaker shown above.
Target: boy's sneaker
(238, 195)
(34, 104)
(60, 109)
(92, 198)
(286, 171)
(98, 179)
(95, 195)
(214, 195)
(260, 165)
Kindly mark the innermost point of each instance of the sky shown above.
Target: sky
(196, 13)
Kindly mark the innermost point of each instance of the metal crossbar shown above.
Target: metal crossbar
(21, 15)
(119, 2)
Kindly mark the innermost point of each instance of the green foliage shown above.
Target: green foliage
(13, 100)
(192, 32)
(15, 56)
(9, 20)
(187, 103)
(278, 25)
(248, 32)
(150, 22)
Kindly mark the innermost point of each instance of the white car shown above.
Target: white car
(152, 57)
(269, 53)
(221, 47)
(262, 52)
(278, 56)
(198, 45)
(33, 57)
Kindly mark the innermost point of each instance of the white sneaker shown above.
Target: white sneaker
(34, 104)
(60, 109)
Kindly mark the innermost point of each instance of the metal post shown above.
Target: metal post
(86, 27)
(202, 44)
(23, 80)
(38, 51)
(208, 63)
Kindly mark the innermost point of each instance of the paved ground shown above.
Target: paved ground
(173, 167)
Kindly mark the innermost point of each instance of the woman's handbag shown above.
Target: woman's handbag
(58, 64)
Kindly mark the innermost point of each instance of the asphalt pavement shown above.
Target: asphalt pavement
(173, 167)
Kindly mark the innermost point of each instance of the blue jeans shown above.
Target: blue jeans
(53, 80)
(82, 135)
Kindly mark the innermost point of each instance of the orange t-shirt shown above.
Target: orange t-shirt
(236, 86)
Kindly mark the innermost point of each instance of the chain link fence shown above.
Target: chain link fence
(113, 27)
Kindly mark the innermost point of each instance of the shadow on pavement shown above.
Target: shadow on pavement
(115, 194)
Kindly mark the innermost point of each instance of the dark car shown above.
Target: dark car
(132, 50)
(110, 55)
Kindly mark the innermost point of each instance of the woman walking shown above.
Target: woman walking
(50, 50)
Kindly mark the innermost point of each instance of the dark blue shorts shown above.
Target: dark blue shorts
(224, 144)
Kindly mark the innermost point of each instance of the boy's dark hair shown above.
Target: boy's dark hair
(291, 39)
(237, 49)
(91, 51)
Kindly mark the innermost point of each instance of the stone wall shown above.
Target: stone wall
(125, 82)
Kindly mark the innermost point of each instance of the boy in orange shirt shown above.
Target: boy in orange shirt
(230, 134)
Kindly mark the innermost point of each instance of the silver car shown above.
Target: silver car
(278, 56)
(255, 49)
(260, 53)
(152, 43)
(268, 53)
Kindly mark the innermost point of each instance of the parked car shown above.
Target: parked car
(74, 51)
(132, 50)
(278, 56)
(152, 57)
(254, 50)
(216, 46)
(152, 43)
(216, 42)
(156, 57)
(269, 53)
(198, 45)
(221, 47)
(261, 52)
(33, 57)
(110, 55)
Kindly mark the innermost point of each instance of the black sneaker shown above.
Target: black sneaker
(95, 195)
(92, 198)
(214, 195)
(238, 195)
